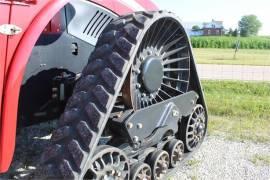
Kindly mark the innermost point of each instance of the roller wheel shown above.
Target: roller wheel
(175, 148)
(194, 129)
(108, 163)
(141, 171)
(159, 162)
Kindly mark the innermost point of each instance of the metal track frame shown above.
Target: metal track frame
(87, 111)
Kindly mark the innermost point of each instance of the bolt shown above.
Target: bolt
(139, 126)
(137, 71)
(54, 96)
(138, 86)
(135, 138)
(129, 125)
(54, 89)
(175, 113)
(152, 95)
(119, 174)
(112, 172)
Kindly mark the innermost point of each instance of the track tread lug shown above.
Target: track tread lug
(51, 153)
(125, 47)
(76, 152)
(69, 117)
(139, 20)
(85, 132)
(95, 67)
(110, 78)
(132, 31)
(94, 115)
(77, 100)
(66, 170)
(118, 62)
(61, 133)
(102, 96)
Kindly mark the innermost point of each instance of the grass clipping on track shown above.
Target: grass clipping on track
(251, 57)
(239, 110)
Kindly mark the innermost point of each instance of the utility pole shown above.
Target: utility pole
(237, 44)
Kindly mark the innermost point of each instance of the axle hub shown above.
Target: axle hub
(152, 73)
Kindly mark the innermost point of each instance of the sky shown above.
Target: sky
(228, 11)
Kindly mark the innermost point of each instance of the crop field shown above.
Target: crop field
(226, 56)
(225, 42)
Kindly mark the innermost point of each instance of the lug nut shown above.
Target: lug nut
(119, 174)
(54, 89)
(135, 138)
(138, 86)
(175, 113)
(139, 126)
(54, 96)
(137, 71)
(129, 125)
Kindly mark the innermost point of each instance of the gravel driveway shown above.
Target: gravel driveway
(217, 158)
(222, 159)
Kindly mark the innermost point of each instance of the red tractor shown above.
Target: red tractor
(120, 77)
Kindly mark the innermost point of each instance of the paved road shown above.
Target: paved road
(234, 72)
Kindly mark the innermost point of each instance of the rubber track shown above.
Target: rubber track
(87, 111)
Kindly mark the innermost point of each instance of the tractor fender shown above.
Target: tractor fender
(14, 80)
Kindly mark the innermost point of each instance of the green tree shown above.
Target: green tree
(235, 33)
(249, 25)
(195, 28)
(230, 32)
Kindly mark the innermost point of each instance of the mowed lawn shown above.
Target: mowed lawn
(226, 56)
(239, 110)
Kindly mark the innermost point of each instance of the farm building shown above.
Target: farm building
(213, 28)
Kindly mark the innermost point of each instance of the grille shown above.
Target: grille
(87, 20)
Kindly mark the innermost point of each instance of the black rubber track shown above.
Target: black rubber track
(87, 111)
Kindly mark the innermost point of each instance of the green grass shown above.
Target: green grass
(226, 56)
(260, 160)
(239, 110)
(193, 162)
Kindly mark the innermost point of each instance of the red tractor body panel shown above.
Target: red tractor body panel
(32, 17)
(4, 19)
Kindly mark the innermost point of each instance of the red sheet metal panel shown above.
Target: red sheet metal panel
(4, 19)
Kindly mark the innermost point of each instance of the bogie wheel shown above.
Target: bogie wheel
(108, 163)
(150, 41)
(175, 148)
(159, 163)
(194, 129)
(141, 171)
